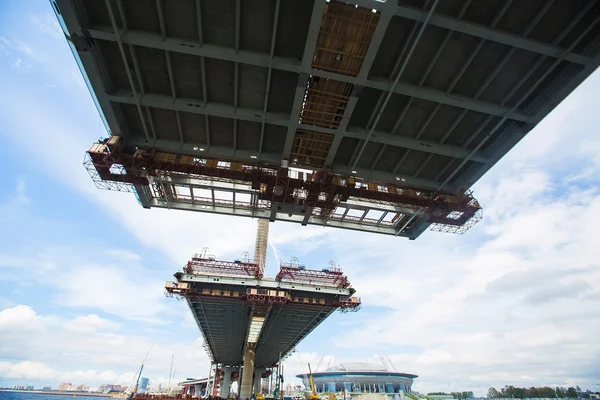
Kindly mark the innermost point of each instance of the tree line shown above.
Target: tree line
(535, 392)
(456, 395)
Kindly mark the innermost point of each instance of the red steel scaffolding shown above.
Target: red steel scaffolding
(330, 276)
(205, 264)
(116, 167)
(210, 266)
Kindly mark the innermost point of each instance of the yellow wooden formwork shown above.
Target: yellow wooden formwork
(344, 38)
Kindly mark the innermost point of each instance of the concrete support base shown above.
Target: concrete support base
(258, 380)
(226, 384)
(247, 375)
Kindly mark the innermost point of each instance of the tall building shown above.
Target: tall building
(144, 383)
(111, 388)
(68, 386)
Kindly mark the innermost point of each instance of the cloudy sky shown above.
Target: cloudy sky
(513, 301)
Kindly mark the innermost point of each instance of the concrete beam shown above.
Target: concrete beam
(486, 33)
(95, 76)
(335, 144)
(306, 68)
(295, 115)
(247, 375)
(186, 46)
(501, 147)
(274, 159)
(433, 95)
(196, 107)
(215, 151)
(262, 59)
(227, 111)
(410, 143)
(272, 284)
(380, 176)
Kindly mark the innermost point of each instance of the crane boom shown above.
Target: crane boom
(312, 383)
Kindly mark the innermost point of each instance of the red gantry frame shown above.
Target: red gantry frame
(205, 264)
(210, 266)
(331, 276)
(320, 195)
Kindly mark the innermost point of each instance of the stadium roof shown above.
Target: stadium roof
(358, 366)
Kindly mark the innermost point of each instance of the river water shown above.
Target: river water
(37, 396)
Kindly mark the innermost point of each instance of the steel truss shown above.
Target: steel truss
(215, 376)
(208, 266)
(343, 303)
(295, 273)
(317, 195)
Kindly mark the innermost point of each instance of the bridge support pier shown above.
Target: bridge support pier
(226, 382)
(247, 374)
(258, 380)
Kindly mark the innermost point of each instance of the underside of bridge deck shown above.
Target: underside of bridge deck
(425, 94)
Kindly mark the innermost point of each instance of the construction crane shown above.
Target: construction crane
(313, 396)
(139, 375)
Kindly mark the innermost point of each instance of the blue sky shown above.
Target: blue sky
(513, 301)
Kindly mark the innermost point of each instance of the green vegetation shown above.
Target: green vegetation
(456, 395)
(534, 392)
(462, 395)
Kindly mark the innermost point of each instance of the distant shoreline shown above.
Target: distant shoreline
(59, 393)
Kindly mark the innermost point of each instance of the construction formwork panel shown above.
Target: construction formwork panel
(311, 147)
(344, 38)
(325, 103)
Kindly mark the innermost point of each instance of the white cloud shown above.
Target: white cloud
(27, 370)
(121, 286)
(18, 53)
(48, 25)
(113, 290)
(124, 255)
(94, 354)
(19, 318)
(89, 324)
(20, 196)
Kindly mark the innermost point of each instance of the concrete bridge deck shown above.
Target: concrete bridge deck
(426, 95)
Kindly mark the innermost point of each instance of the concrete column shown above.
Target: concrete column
(260, 247)
(247, 375)
(258, 380)
(226, 384)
